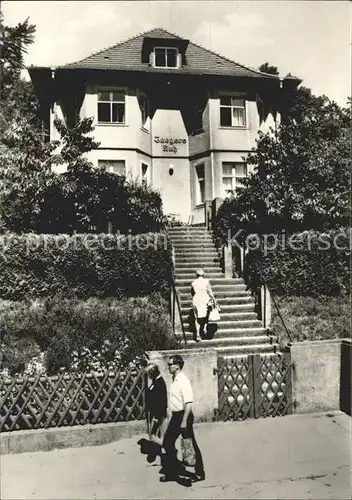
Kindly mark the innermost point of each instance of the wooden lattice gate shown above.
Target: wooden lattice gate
(254, 386)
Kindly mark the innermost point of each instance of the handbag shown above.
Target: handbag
(188, 452)
(214, 315)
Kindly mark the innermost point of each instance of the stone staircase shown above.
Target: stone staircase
(239, 331)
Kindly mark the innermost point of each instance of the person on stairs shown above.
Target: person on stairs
(202, 298)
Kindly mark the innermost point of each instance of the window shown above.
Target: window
(111, 107)
(113, 166)
(166, 57)
(144, 107)
(200, 185)
(145, 174)
(232, 112)
(233, 174)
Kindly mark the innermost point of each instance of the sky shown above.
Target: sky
(310, 39)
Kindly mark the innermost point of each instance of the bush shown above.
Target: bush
(310, 271)
(309, 318)
(77, 334)
(103, 265)
(83, 199)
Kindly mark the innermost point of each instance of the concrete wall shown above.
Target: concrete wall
(316, 375)
(199, 366)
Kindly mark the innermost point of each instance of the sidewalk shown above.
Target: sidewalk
(304, 457)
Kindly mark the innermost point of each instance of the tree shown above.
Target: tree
(35, 198)
(301, 176)
(267, 68)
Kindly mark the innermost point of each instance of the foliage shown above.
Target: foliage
(36, 199)
(311, 263)
(83, 265)
(83, 335)
(267, 68)
(17, 97)
(301, 177)
(313, 318)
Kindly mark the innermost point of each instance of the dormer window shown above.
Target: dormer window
(165, 57)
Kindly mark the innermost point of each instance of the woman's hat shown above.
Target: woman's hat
(200, 272)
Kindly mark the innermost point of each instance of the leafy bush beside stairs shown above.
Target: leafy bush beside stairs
(81, 335)
(83, 265)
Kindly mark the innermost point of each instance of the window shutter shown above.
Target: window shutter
(152, 59)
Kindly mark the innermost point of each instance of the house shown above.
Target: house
(166, 110)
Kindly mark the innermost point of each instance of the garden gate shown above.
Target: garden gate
(254, 386)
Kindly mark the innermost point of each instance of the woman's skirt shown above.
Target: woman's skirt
(200, 305)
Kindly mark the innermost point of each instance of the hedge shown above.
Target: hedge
(309, 271)
(83, 265)
(83, 335)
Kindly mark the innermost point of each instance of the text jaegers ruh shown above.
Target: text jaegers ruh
(168, 145)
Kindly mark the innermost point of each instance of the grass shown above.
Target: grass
(310, 318)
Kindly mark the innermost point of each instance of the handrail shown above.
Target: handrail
(175, 296)
(263, 282)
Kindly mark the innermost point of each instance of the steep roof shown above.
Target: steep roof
(126, 56)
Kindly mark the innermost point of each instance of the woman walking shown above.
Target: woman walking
(156, 404)
(203, 297)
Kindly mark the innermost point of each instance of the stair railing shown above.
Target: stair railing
(264, 296)
(174, 300)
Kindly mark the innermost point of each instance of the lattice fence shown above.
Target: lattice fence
(74, 399)
(254, 386)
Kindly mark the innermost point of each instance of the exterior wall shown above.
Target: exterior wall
(132, 143)
(199, 368)
(230, 137)
(316, 376)
(201, 142)
(115, 135)
(175, 188)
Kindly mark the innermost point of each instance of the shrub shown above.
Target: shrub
(74, 334)
(311, 270)
(309, 318)
(83, 265)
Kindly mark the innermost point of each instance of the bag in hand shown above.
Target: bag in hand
(214, 315)
(188, 452)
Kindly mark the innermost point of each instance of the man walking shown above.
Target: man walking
(181, 422)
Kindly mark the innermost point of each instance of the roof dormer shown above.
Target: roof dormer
(162, 51)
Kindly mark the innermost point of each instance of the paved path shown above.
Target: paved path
(305, 457)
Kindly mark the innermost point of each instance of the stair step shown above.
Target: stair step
(228, 316)
(245, 356)
(246, 349)
(198, 260)
(230, 288)
(189, 267)
(193, 244)
(230, 342)
(226, 301)
(215, 282)
(191, 238)
(182, 230)
(221, 294)
(229, 325)
(187, 278)
(234, 333)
